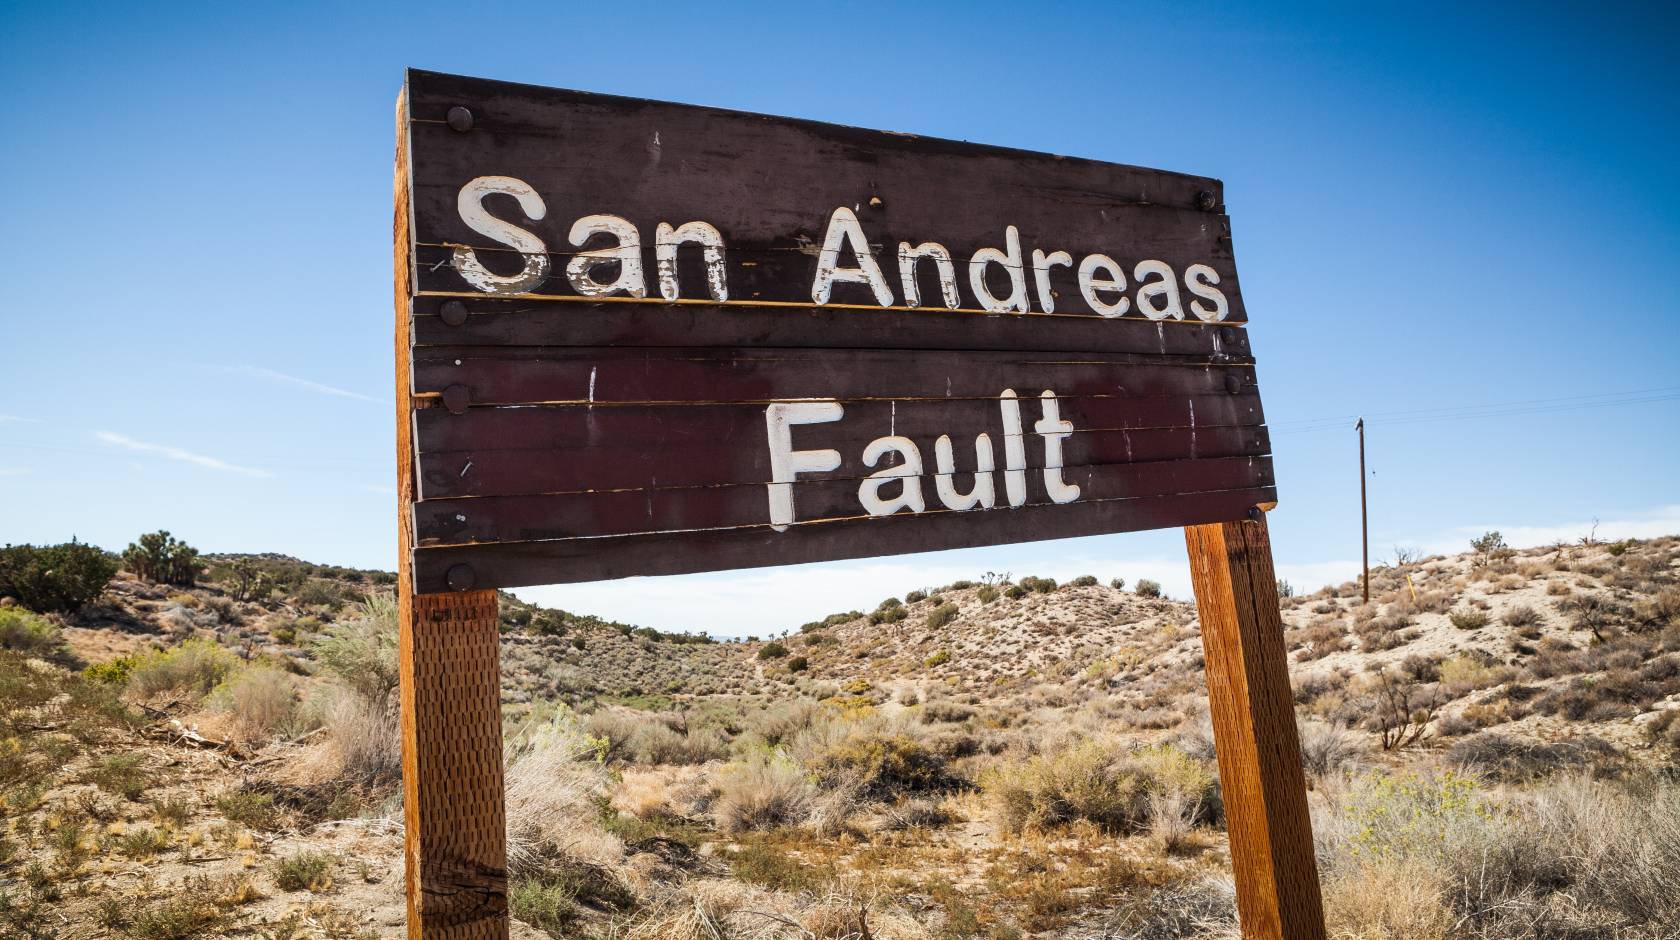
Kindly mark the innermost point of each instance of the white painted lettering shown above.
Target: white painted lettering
(1165, 285)
(1014, 449)
(907, 258)
(469, 202)
(1200, 278)
(1054, 430)
(908, 474)
(786, 463)
(1016, 302)
(1100, 273)
(1042, 263)
(628, 254)
(843, 231)
(982, 494)
(710, 240)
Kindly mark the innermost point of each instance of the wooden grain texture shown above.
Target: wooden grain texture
(817, 502)
(538, 322)
(1253, 713)
(454, 849)
(605, 376)
(769, 185)
(596, 559)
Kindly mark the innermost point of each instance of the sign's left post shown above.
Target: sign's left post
(454, 815)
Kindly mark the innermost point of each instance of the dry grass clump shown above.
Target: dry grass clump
(554, 781)
(764, 790)
(192, 668)
(257, 703)
(1437, 856)
(1382, 633)
(1104, 783)
(647, 739)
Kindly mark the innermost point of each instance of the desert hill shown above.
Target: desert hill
(999, 758)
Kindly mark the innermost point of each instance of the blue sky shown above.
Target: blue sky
(1436, 212)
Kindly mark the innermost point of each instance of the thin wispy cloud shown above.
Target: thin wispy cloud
(14, 471)
(176, 453)
(275, 375)
(18, 419)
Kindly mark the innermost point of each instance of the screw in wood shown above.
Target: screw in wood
(1232, 385)
(460, 119)
(454, 313)
(461, 578)
(1204, 201)
(1254, 514)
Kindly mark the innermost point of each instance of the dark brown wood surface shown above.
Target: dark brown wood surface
(449, 698)
(595, 559)
(562, 438)
(617, 323)
(1254, 733)
(769, 185)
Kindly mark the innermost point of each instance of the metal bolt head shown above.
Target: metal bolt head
(461, 578)
(1232, 384)
(1204, 201)
(455, 398)
(460, 119)
(1254, 514)
(1227, 334)
(454, 313)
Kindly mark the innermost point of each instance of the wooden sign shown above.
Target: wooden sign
(639, 338)
(657, 338)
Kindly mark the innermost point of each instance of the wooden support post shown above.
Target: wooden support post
(455, 847)
(1254, 731)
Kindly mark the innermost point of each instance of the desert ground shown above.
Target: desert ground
(207, 746)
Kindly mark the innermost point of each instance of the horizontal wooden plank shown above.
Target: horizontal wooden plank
(769, 186)
(630, 466)
(524, 450)
(815, 501)
(517, 375)
(564, 561)
(536, 322)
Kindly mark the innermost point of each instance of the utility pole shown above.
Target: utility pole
(1364, 519)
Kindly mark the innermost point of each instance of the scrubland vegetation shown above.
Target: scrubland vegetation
(207, 746)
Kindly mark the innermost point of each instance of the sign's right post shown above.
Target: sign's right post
(1254, 730)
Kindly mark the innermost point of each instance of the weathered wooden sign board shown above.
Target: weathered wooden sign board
(644, 338)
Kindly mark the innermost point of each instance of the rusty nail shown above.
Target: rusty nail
(460, 119)
(461, 578)
(455, 398)
(1254, 514)
(1204, 201)
(454, 313)
(1232, 385)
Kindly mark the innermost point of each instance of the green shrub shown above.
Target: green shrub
(54, 577)
(161, 558)
(1014, 592)
(1618, 549)
(1103, 783)
(1040, 585)
(248, 808)
(305, 871)
(915, 596)
(195, 667)
(772, 650)
(123, 774)
(798, 664)
(24, 632)
(1469, 619)
(880, 765)
(941, 615)
(1147, 588)
(891, 614)
(319, 593)
(362, 651)
(114, 672)
(1084, 580)
(986, 594)
(939, 658)
(1119, 584)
